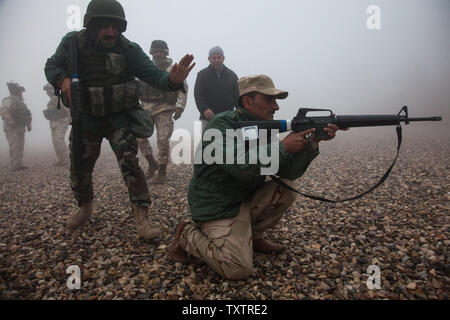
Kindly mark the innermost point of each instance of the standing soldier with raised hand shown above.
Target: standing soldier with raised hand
(108, 64)
(59, 118)
(16, 117)
(164, 108)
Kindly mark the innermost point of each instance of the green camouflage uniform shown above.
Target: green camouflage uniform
(161, 107)
(16, 117)
(110, 106)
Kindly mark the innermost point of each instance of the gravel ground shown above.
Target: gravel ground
(402, 227)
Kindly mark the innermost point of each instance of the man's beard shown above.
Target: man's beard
(160, 60)
(108, 44)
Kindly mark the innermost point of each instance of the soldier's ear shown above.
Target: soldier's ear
(246, 102)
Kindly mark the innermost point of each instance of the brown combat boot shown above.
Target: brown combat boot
(176, 252)
(266, 246)
(153, 166)
(161, 178)
(145, 231)
(81, 217)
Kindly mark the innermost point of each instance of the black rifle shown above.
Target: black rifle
(76, 114)
(302, 122)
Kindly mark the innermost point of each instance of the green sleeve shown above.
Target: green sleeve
(139, 65)
(294, 165)
(56, 66)
(290, 166)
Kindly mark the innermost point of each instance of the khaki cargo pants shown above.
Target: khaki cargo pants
(164, 129)
(226, 245)
(59, 129)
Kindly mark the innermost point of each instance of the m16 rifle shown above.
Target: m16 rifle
(304, 122)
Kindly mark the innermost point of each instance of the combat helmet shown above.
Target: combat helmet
(15, 88)
(160, 45)
(105, 9)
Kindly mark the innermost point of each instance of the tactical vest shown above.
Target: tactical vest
(108, 89)
(19, 112)
(151, 95)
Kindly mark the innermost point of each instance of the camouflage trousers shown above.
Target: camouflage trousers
(226, 245)
(124, 146)
(164, 128)
(16, 141)
(59, 130)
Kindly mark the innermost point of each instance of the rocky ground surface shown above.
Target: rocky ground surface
(402, 227)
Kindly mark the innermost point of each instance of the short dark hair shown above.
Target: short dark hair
(251, 95)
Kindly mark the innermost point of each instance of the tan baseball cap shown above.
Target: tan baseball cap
(262, 84)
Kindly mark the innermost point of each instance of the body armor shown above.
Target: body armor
(19, 112)
(107, 87)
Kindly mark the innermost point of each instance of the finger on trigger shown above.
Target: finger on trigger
(306, 132)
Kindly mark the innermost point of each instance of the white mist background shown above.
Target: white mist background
(321, 51)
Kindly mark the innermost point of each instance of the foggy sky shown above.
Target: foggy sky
(320, 51)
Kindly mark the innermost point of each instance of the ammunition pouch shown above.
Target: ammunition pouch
(104, 101)
(141, 123)
(54, 114)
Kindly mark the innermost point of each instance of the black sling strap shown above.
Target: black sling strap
(388, 172)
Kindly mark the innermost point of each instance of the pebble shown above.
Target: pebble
(402, 227)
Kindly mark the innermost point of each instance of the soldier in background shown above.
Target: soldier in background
(59, 123)
(16, 117)
(164, 108)
(216, 88)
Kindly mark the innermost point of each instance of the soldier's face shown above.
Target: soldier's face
(158, 55)
(107, 35)
(216, 61)
(261, 106)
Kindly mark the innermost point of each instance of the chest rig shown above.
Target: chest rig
(107, 87)
(149, 94)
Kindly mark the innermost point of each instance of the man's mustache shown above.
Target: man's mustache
(107, 38)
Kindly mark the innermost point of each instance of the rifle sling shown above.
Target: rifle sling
(385, 176)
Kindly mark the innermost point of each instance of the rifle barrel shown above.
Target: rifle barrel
(351, 121)
(425, 119)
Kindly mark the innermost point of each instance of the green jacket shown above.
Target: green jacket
(216, 191)
(137, 64)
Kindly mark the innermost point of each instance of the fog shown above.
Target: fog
(321, 51)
